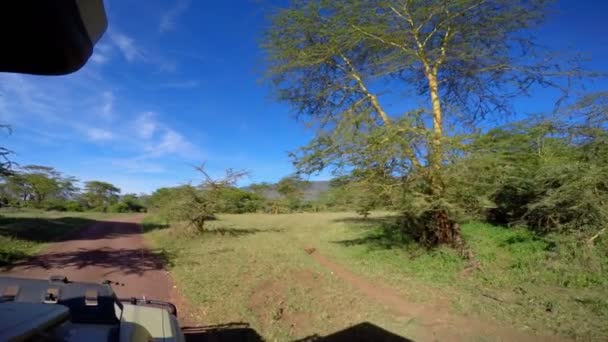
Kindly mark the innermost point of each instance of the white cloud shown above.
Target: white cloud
(157, 140)
(101, 54)
(171, 142)
(22, 94)
(133, 52)
(146, 125)
(167, 20)
(126, 45)
(98, 134)
(99, 58)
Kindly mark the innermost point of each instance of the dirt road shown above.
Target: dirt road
(107, 250)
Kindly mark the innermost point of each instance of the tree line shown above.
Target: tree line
(43, 187)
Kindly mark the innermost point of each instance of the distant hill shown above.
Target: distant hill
(313, 192)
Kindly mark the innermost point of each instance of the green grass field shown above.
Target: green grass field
(25, 232)
(254, 268)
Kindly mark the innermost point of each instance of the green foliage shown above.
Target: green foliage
(131, 203)
(38, 186)
(74, 206)
(549, 175)
(118, 207)
(194, 206)
(330, 60)
(100, 195)
(237, 201)
(292, 189)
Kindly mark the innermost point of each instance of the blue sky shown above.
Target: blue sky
(175, 82)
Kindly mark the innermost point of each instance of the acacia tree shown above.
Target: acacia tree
(100, 195)
(39, 184)
(332, 60)
(42, 182)
(197, 205)
(292, 189)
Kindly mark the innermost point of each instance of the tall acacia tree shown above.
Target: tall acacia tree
(332, 60)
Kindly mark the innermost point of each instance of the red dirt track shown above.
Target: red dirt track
(106, 250)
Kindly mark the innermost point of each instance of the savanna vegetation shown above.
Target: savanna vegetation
(509, 218)
(256, 268)
(432, 201)
(530, 199)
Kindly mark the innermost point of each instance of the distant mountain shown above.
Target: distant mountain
(313, 192)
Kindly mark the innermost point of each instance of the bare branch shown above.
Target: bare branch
(230, 178)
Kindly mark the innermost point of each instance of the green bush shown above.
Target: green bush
(120, 207)
(549, 176)
(236, 201)
(55, 205)
(74, 206)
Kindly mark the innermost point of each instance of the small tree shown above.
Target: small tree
(197, 205)
(292, 189)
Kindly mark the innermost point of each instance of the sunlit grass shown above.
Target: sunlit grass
(533, 283)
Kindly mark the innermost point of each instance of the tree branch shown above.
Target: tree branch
(373, 99)
(380, 39)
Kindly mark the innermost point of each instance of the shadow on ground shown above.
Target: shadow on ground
(379, 233)
(222, 332)
(239, 231)
(61, 229)
(128, 261)
(361, 332)
(367, 221)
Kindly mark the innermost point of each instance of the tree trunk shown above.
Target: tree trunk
(442, 229)
(436, 148)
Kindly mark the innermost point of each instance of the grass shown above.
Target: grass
(25, 232)
(265, 278)
(547, 285)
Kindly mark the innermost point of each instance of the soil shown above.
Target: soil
(436, 321)
(108, 250)
(269, 302)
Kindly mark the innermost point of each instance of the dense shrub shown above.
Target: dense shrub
(550, 176)
(120, 207)
(74, 206)
(237, 201)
